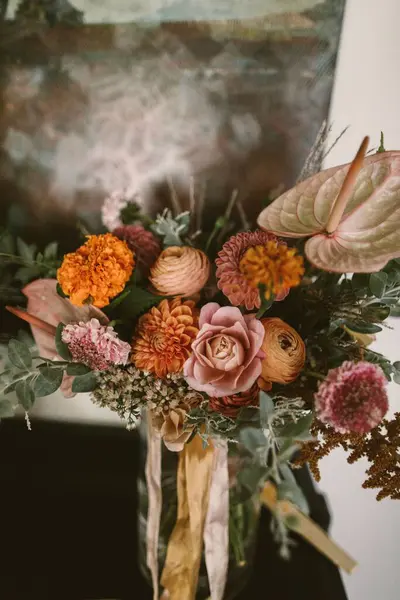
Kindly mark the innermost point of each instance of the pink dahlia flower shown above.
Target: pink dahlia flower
(95, 345)
(231, 281)
(353, 397)
(226, 356)
(142, 242)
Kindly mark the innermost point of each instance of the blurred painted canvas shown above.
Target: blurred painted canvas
(100, 97)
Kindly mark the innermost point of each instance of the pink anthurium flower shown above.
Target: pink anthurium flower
(351, 214)
(45, 310)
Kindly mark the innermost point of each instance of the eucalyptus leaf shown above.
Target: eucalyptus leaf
(78, 369)
(299, 430)
(290, 490)
(395, 311)
(252, 439)
(48, 381)
(26, 252)
(376, 312)
(389, 301)
(61, 347)
(84, 383)
(397, 365)
(26, 274)
(360, 281)
(377, 283)
(267, 408)
(248, 414)
(253, 476)
(7, 244)
(25, 394)
(19, 354)
(286, 451)
(364, 327)
(50, 252)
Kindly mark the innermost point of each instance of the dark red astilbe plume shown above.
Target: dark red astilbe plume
(142, 242)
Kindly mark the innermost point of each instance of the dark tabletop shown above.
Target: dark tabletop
(68, 530)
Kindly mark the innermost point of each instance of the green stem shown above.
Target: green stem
(234, 538)
(52, 363)
(314, 374)
(214, 232)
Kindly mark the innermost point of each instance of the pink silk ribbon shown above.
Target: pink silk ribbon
(216, 529)
(153, 480)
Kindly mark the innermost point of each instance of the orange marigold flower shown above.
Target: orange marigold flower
(274, 265)
(97, 271)
(164, 337)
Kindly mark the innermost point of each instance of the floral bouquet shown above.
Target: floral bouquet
(239, 354)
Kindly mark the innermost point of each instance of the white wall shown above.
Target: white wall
(366, 97)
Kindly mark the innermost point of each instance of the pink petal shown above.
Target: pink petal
(66, 386)
(207, 313)
(45, 303)
(239, 332)
(227, 316)
(249, 376)
(368, 234)
(206, 374)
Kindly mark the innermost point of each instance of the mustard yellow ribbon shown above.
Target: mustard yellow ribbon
(182, 563)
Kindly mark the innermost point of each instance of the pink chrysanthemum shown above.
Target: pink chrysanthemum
(231, 281)
(95, 345)
(142, 242)
(353, 397)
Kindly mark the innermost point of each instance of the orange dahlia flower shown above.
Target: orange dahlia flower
(164, 337)
(97, 271)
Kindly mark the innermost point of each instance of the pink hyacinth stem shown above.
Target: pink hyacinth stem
(347, 188)
(32, 320)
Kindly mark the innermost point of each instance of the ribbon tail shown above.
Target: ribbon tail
(216, 530)
(182, 564)
(153, 480)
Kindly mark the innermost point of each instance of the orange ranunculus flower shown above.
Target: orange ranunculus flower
(97, 271)
(180, 271)
(285, 353)
(164, 336)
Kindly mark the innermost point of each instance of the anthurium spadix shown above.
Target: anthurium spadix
(351, 214)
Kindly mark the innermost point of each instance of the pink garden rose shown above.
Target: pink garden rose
(226, 356)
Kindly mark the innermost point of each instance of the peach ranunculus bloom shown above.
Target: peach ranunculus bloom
(285, 353)
(180, 271)
(226, 356)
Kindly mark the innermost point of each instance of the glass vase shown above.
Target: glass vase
(244, 510)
